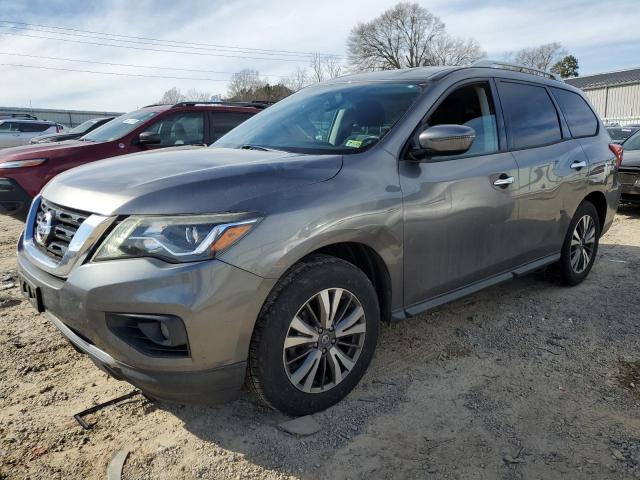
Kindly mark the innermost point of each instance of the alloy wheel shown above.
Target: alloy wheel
(324, 340)
(582, 243)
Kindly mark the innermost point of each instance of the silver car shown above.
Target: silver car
(270, 259)
(17, 130)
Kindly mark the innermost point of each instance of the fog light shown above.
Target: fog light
(157, 335)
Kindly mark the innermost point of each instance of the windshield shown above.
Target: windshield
(620, 134)
(84, 126)
(332, 118)
(119, 126)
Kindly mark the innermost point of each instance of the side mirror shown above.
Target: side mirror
(445, 140)
(149, 138)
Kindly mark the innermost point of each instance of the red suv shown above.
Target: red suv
(25, 170)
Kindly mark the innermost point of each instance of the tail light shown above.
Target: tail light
(617, 151)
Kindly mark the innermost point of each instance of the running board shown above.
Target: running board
(418, 308)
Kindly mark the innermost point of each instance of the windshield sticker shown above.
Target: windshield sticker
(353, 143)
(131, 121)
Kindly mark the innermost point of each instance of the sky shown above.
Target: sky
(603, 35)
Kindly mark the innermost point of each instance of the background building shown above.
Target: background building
(615, 95)
(68, 118)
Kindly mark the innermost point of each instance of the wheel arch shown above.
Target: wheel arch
(370, 263)
(599, 200)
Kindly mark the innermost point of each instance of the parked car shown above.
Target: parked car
(25, 170)
(76, 132)
(274, 255)
(620, 134)
(19, 129)
(630, 170)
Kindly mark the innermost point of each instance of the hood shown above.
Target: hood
(40, 150)
(55, 137)
(187, 180)
(631, 158)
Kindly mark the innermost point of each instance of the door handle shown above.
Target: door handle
(577, 165)
(502, 182)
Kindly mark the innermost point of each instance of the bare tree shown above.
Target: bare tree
(317, 67)
(324, 67)
(171, 96)
(404, 36)
(197, 96)
(541, 57)
(333, 67)
(298, 79)
(447, 50)
(243, 83)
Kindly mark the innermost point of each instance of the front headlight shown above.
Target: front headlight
(180, 238)
(23, 163)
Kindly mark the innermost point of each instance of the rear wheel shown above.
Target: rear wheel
(315, 336)
(580, 245)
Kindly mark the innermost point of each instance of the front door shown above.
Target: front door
(457, 221)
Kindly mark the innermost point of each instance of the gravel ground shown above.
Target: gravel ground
(528, 379)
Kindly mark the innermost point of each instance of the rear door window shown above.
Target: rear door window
(179, 129)
(28, 127)
(6, 127)
(580, 118)
(531, 117)
(224, 122)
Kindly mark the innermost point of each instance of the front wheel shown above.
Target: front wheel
(315, 336)
(580, 245)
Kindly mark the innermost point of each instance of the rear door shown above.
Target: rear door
(457, 221)
(28, 130)
(552, 168)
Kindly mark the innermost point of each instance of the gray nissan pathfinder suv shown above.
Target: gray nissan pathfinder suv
(271, 258)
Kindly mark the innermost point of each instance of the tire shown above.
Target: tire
(273, 372)
(574, 270)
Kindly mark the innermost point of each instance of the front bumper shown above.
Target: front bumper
(630, 180)
(217, 302)
(14, 200)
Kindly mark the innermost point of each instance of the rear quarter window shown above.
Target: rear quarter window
(580, 118)
(530, 115)
(224, 122)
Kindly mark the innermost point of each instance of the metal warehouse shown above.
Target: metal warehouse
(615, 95)
(68, 118)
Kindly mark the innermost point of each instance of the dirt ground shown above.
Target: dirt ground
(528, 379)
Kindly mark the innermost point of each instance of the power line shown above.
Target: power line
(249, 49)
(113, 73)
(149, 49)
(127, 64)
(156, 43)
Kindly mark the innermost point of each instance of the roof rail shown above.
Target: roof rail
(253, 104)
(514, 67)
(25, 116)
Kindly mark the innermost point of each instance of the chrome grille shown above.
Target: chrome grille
(60, 225)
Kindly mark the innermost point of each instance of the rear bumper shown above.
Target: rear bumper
(14, 200)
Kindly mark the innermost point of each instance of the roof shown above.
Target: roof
(418, 74)
(408, 74)
(608, 79)
(25, 120)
